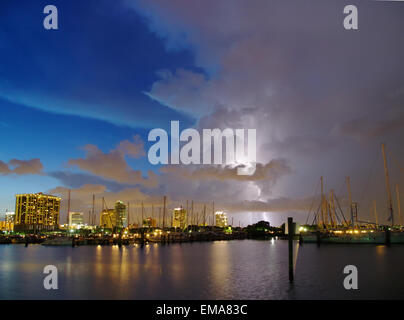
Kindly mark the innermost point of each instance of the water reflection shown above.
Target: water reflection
(210, 270)
(381, 249)
(220, 263)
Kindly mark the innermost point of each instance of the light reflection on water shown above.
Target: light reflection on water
(243, 269)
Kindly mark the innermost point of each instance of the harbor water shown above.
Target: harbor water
(239, 269)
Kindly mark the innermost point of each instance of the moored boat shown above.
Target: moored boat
(60, 241)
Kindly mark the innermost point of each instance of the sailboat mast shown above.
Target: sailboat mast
(327, 205)
(192, 212)
(164, 211)
(128, 216)
(386, 172)
(334, 216)
(348, 183)
(321, 220)
(142, 214)
(375, 212)
(399, 205)
(204, 215)
(187, 216)
(93, 211)
(213, 213)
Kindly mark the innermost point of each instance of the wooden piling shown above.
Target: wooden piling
(290, 237)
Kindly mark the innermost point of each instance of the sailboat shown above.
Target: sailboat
(331, 227)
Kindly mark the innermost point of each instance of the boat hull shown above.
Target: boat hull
(58, 242)
(378, 237)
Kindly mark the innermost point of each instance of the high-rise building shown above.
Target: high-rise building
(120, 212)
(108, 219)
(8, 223)
(36, 212)
(76, 218)
(179, 218)
(221, 219)
(10, 216)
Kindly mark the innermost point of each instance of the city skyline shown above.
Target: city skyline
(39, 212)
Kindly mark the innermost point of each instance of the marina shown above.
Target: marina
(331, 225)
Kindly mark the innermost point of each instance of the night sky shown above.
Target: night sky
(77, 103)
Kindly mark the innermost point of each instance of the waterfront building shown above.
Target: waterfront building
(36, 212)
(120, 212)
(10, 216)
(108, 219)
(149, 223)
(221, 219)
(179, 218)
(76, 218)
(6, 226)
(8, 223)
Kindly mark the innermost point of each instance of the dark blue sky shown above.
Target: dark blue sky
(101, 59)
